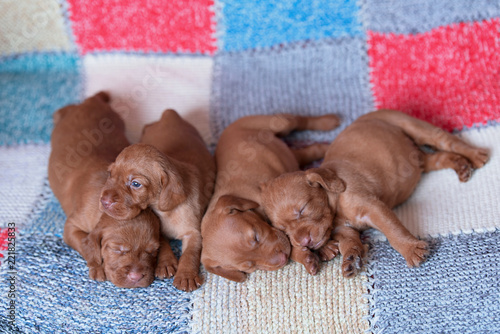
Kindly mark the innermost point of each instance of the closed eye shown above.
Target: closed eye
(152, 251)
(255, 240)
(119, 251)
(300, 212)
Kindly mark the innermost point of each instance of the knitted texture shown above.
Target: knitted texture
(419, 16)
(456, 291)
(441, 204)
(311, 78)
(24, 169)
(33, 87)
(61, 298)
(448, 76)
(47, 216)
(285, 301)
(150, 84)
(269, 23)
(35, 25)
(153, 25)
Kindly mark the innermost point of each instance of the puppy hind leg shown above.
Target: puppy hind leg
(310, 153)
(351, 249)
(91, 253)
(317, 123)
(444, 160)
(425, 133)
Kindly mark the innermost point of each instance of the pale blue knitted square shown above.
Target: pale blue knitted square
(53, 294)
(312, 78)
(246, 24)
(457, 290)
(33, 86)
(417, 16)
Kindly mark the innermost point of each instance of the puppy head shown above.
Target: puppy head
(238, 240)
(300, 204)
(140, 176)
(126, 249)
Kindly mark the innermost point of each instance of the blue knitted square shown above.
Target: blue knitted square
(416, 16)
(457, 286)
(249, 24)
(314, 78)
(53, 294)
(33, 87)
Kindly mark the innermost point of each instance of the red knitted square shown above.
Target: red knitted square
(4, 235)
(449, 76)
(147, 26)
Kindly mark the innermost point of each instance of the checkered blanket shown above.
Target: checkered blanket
(214, 62)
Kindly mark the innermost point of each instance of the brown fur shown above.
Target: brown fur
(237, 238)
(85, 140)
(379, 161)
(172, 172)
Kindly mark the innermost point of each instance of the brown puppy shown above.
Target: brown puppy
(237, 238)
(85, 140)
(173, 173)
(379, 160)
(129, 249)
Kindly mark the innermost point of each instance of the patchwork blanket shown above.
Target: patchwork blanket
(216, 61)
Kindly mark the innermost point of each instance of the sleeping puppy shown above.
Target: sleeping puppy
(172, 172)
(237, 238)
(129, 249)
(379, 160)
(85, 140)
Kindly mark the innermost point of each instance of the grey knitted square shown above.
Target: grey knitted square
(417, 16)
(311, 78)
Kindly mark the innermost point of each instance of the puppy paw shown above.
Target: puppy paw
(97, 273)
(480, 157)
(329, 251)
(416, 253)
(187, 281)
(311, 263)
(166, 269)
(463, 168)
(352, 262)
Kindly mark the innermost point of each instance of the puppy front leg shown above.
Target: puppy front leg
(381, 217)
(87, 247)
(351, 249)
(308, 259)
(187, 277)
(167, 262)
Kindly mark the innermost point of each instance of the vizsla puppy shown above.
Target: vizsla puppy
(172, 172)
(85, 140)
(237, 238)
(379, 161)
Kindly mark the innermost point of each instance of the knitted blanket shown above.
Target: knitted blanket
(218, 60)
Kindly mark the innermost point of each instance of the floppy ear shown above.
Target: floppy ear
(326, 178)
(172, 193)
(230, 274)
(230, 204)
